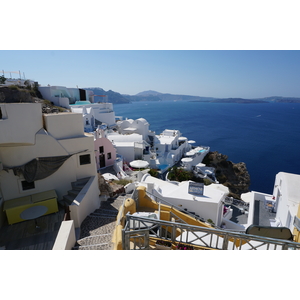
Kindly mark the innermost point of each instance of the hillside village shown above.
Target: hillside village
(78, 177)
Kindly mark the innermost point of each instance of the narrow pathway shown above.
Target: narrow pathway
(97, 228)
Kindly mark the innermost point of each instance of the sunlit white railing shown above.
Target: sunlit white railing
(138, 230)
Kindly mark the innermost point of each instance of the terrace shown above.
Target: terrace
(25, 235)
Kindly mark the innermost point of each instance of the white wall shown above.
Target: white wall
(127, 152)
(66, 238)
(46, 145)
(86, 201)
(286, 191)
(20, 122)
(205, 210)
(64, 125)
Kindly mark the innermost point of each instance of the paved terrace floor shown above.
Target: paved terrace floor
(262, 216)
(24, 236)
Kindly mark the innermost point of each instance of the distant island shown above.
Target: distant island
(233, 100)
(150, 95)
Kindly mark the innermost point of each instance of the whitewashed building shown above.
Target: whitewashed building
(284, 202)
(205, 201)
(63, 96)
(81, 101)
(134, 140)
(52, 151)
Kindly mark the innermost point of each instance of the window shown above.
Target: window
(0, 113)
(101, 149)
(85, 159)
(27, 185)
(297, 223)
(109, 155)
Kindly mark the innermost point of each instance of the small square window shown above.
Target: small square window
(85, 159)
(109, 155)
(27, 185)
(101, 149)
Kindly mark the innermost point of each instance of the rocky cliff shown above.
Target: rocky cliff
(233, 175)
(15, 94)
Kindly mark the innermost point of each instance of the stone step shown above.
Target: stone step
(73, 193)
(80, 183)
(96, 226)
(106, 211)
(68, 199)
(104, 214)
(102, 246)
(95, 239)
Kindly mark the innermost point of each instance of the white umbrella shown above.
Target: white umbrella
(191, 142)
(138, 164)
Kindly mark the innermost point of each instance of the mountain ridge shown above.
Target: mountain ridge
(151, 95)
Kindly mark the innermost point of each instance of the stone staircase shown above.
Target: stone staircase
(76, 188)
(97, 228)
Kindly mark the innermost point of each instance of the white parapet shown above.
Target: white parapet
(66, 238)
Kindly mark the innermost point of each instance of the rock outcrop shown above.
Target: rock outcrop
(14, 94)
(109, 188)
(233, 175)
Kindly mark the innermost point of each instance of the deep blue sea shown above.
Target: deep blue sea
(265, 136)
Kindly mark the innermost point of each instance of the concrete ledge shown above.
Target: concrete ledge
(65, 239)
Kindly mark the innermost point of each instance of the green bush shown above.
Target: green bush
(221, 178)
(124, 181)
(13, 87)
(206, 181)
(153, 172)
(2, 79)
(179, 174)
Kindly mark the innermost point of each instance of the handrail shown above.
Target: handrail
(236, 202)
(208, 238)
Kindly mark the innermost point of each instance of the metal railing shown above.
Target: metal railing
(236, 202)
(138, 230)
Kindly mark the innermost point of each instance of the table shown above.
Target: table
(34, 212)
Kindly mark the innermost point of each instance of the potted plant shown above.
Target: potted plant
(210, 222)
(184, 247)
(163, 245)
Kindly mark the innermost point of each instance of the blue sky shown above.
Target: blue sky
(227, 73)
(214, 48)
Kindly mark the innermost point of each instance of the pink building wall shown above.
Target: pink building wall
(105, 152)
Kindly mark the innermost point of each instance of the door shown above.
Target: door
(82, 94)
(102, 160)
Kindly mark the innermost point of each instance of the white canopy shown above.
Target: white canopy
(109, 176)
(138, 164)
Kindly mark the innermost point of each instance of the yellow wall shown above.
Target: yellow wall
(146, 201)
(296, 232)
(129, 206)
